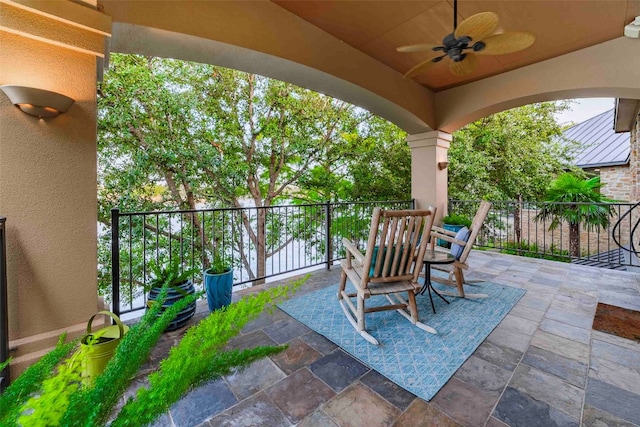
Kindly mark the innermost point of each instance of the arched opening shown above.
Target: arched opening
(401, 101)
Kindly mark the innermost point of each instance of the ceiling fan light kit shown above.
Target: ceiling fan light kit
(475, 35)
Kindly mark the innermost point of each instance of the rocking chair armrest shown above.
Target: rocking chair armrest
(443, 231)
(352, 250)
(448, 238)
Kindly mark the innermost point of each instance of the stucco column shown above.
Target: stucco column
(48, 182)
(428, 179)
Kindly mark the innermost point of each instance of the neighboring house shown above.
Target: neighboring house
(627, 119)
(609, 147)
(604, 152)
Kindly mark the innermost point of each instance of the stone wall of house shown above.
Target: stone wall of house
(634, 159)
(621, 183)
(591, 241)
(617, 182)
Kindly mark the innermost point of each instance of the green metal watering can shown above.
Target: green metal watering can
(99, 346)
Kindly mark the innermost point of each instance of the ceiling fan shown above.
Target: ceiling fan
(475, 35)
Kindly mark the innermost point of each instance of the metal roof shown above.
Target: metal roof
(599, 144)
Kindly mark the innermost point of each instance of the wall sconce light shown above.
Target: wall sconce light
(37, 102)
(443, 165)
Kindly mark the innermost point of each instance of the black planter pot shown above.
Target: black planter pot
(174, 294)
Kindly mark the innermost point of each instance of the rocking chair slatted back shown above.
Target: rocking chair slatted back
(395, 245)
(476, 226)
(455, 270)
(390, 266)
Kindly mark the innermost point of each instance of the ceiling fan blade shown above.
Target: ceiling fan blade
(501, 44)
(420, 68)
(416, 47)
(478, 26)
(467, 66)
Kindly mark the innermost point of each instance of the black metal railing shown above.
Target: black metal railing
(514, 227)
(632, 216)
(258, 242)
(4, 316)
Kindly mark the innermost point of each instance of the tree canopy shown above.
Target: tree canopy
(182, 135)
(509, 154)
(174, 132)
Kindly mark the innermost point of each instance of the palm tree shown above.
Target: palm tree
(576, 201)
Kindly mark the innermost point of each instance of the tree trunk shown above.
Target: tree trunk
(261, 250)
(517, 222)
(574, 239)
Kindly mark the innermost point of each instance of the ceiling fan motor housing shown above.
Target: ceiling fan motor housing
(476, 34)
(453, 46)
(449, 41)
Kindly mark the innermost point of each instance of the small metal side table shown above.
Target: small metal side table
(434, 257)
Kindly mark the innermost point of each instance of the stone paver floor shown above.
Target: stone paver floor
(542, 366)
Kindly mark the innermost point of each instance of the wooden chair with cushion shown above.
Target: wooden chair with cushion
(461, 245)
(390, 266)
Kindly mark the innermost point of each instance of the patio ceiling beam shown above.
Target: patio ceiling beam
(626, 112)
(263, 38)
(73, 14)
(52, 23)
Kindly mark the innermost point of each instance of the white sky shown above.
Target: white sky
(585, 108)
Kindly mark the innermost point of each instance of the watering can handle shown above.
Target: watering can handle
(110, 314)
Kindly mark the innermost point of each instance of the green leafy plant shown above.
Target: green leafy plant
(30, 381)
(513, 153)
(170, 274)
(47, 408)
(456, 219)
(219, 264)
(576, 201)
(200, 356)
(531, 250)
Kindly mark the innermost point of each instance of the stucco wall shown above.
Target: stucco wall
(428, 181)
(48, 192)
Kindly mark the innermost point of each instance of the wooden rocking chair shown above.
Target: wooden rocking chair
(390, 265)
(455, 270)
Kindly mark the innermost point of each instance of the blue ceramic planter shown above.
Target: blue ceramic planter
(219, 288)
(449, 227)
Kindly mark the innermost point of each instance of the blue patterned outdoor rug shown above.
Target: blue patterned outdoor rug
(412, 358)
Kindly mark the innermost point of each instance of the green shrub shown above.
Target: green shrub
(60, 398)
(219, 264)
(49, 405)
(456, 219)
(169, 273)
(30, 381)
(531, 250)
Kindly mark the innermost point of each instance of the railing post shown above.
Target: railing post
(4, 307)
(115, 261)
(327, 233)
